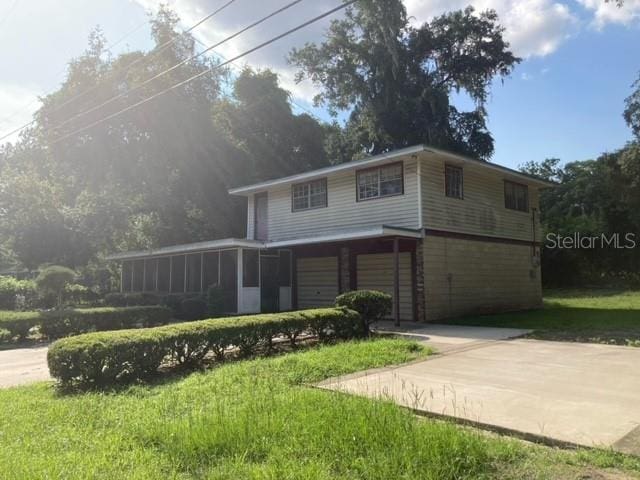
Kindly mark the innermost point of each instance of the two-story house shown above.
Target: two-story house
(444, 234)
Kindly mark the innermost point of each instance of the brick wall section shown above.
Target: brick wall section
(463, 277)
(345, 268)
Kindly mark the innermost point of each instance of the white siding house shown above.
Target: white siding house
(445, 235)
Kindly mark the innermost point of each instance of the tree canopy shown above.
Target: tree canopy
(395, 80)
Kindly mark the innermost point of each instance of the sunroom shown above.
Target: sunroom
(251, 278)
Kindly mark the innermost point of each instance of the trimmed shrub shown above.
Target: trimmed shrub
(15, 293)
(52, 281)
(117, 299)
(18, 324)
(76, 294)
(62, 323)
(372, 305)
(104, 358)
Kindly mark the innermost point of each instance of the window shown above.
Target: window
(453, 181)
(380, 182)
(305, 196)
(516, 196)
(250, 268)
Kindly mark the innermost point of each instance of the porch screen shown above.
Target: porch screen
(138, 275)
(229, 279)
(150, 268)
(210, 265)
(163, 274)
(126, 276)
(177, 274)
(193, 272)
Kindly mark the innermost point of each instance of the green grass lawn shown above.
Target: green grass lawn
(259, 419)
(600, 316)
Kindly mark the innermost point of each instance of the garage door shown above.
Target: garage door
(317, 279)
(375, 272)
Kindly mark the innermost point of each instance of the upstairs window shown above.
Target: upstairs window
(516, 196)
(453, 181)
(380, 182)
(309, 195)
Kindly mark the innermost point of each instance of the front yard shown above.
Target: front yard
(598, 316)
(260, 419)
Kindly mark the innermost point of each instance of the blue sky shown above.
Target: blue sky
(564, 100)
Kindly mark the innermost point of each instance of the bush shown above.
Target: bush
(64, 323)
(61, 323)
(79, 294)
(52, 280)
(105, 358)
(215, 300)
(18, 324)
(370, 304)
(14, 293)
(117, 299)
(193, 309)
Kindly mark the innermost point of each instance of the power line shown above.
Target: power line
(36, 100)
(204, 72)
(179, 64)
(155, 51)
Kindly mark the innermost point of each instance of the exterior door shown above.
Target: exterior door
(261, 210)
(269, 284)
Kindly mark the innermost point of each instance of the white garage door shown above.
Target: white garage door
(375, 272)
(317, 279)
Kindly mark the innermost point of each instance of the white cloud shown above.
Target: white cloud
(608, 12)
(17, 105)
(533, 27)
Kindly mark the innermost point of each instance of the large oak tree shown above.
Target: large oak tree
(395, 81)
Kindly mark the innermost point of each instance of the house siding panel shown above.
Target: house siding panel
(472, 277)
(375, 272)
(343, 211)
(482, 211)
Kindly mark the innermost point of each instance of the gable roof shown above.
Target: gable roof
(381, 160)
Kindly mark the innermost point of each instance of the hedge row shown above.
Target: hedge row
(63, 323)
(105, 358)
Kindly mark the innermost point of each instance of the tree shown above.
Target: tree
(271, 141)
(52, 281)
(632, 110)
(395, 81)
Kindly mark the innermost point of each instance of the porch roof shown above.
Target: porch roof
(187, 248)
(327, 237)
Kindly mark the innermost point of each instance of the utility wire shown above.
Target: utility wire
(155, 51)
(177, 65)
(36, 100)
(204, 72)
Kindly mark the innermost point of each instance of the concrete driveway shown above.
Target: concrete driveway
(23, 365)
(581, 394)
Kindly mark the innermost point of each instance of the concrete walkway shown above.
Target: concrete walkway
(23, 365)
(580, 394)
